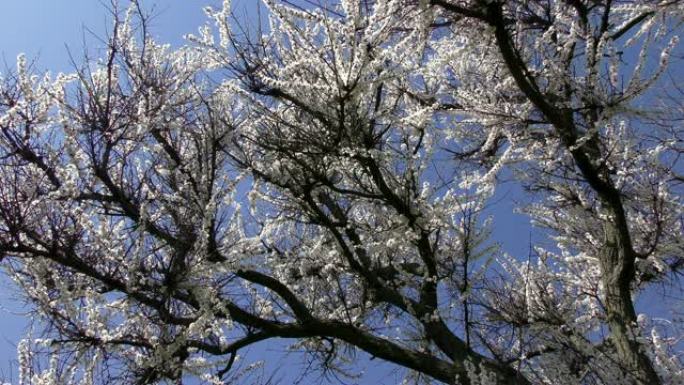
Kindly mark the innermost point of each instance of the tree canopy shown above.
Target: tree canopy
(325, 173)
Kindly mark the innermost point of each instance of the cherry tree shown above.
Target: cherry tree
(327, 178)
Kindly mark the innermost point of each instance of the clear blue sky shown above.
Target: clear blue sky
(43, 28)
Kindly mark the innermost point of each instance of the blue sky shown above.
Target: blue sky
(44, 28)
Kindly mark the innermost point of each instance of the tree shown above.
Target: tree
(328, 181)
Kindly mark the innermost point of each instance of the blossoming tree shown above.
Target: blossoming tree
(326, 179)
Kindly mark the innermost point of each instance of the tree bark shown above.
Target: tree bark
(617, 258)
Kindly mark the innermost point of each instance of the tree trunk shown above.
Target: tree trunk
(617, 272)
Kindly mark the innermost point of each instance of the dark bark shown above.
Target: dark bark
(617, 257)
